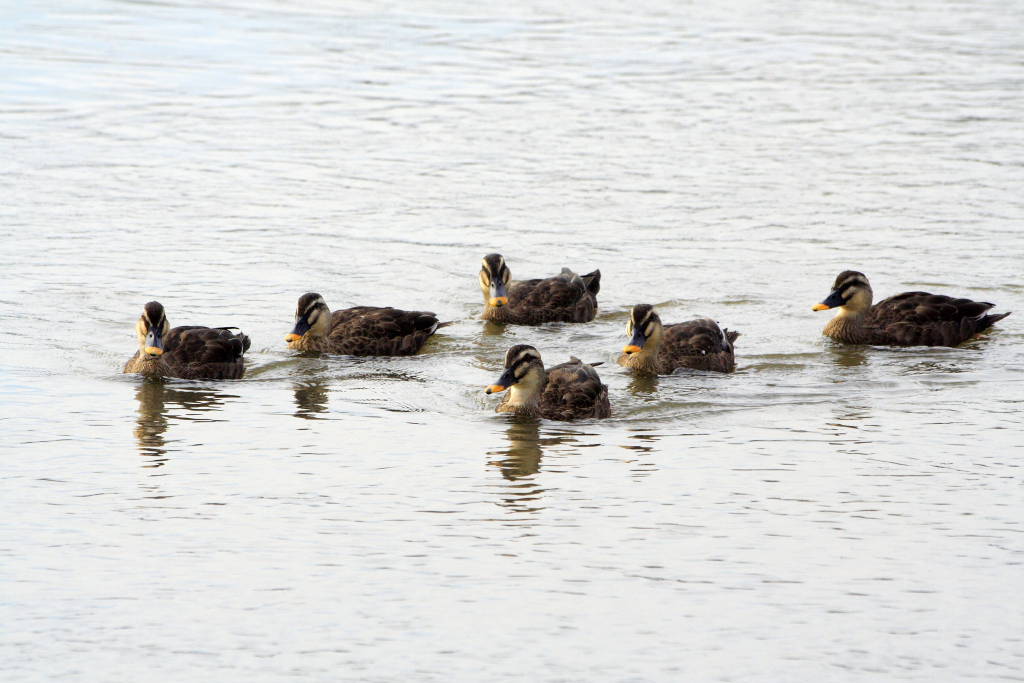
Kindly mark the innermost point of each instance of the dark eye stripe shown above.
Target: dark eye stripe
(848, 285)
(524, 358)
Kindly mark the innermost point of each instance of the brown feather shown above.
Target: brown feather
(569, 391)
(566, 297)
(697, 344)
(911, 319)
(193, 352)
(574, 391)
(373, 331)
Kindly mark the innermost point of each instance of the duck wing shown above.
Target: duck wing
(552, 292)
(574, 391)
(923, 319)
(380, 331)
(699, 344)
(566, 297)
(196, 352)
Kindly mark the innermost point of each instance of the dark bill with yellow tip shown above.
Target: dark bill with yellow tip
(302, 326)
(498, 301)
(154, 350)
(631, 348)
(833, 300)
(495, 389)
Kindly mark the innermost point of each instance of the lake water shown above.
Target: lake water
(825, 513)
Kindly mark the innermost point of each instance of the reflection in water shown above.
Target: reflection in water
(157, 403)
(642, 463)
(850, 413)
(491, 329)
(522, 457)
(521, 461)
(310, 399)
(848, 356)
(643, 384)
(943, 362)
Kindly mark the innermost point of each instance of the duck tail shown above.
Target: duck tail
(987, 321)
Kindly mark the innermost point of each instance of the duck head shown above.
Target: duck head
(524, 375)
(151, 329)
(494, 280)
(645, 330)
(851, 293)
(312, 318)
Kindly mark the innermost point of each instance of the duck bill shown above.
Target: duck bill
(636, 344)
(154, 344)
(301, 327)
(834, 300)
(499, 297)
(506, 380)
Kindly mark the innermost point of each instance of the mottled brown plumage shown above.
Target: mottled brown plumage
(566, 297)
(661, 349)
(359, 331)
(570, 391)
(189, 352)
(908, 319)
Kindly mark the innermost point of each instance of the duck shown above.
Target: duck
(907, 319)
(659, 349)
(360, 330)
(188, 352)
(566, 297)
(570, 391)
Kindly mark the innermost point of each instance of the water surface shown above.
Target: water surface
(825, 513)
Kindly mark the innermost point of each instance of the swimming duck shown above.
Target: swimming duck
(190, 352)
(569, 391)
(908, 319)
(359, 331)
(566, 297)
(660, 349)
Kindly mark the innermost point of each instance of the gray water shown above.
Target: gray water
(825, 513)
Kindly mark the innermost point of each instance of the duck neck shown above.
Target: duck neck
(308, 342)
(847, 326)
(524, 396)
(149, 366)
(645, 360)
(496, 314)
